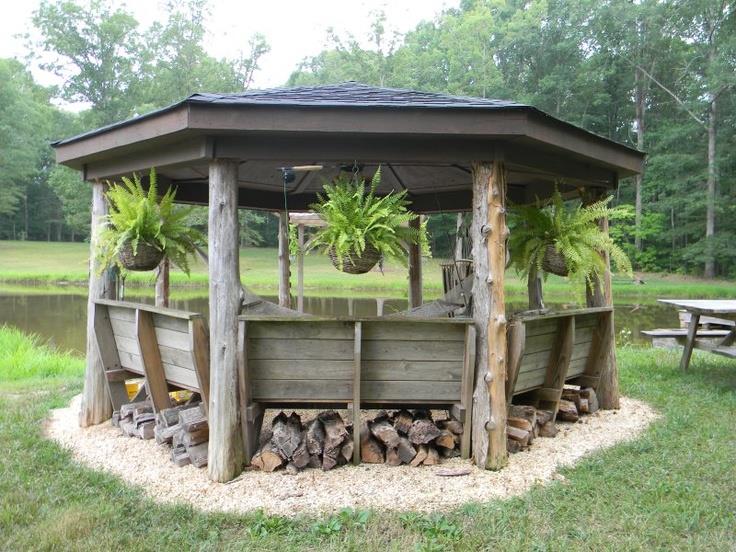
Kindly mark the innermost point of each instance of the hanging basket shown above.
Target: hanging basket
(553, 262)
(148, 257)
(354, 264)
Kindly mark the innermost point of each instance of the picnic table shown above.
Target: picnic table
(718, 308)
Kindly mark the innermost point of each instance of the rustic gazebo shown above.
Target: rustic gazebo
(450, 153)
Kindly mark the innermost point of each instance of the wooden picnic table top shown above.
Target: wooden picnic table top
(721, 307)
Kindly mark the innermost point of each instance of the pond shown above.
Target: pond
(60, 317)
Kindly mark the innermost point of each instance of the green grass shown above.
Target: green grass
(671, 489)
(25, 357)
(43, 264)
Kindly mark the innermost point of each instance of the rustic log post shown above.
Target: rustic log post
(284, 270)
(458, 236)
(225, 453)
(96, 407)
(489, 233)
(601, 295)
(415, 268)
(162, 283)
(300, 270)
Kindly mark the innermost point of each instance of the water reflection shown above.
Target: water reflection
(61, 318)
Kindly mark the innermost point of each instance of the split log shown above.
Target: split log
(301, 455)
(191, 438)
(347, 449)
(385, 432)
(192, 419)
(420, 456)
(129, 410)
(406, 451)
(164, 435)
(433, 457)
(446, 439)
(521, 423)
(451, 425)
(198, 455)
(371, 451)
(115, 420)
(286, 434)
(291, 469)
(392, 457)
(589, 394)
(572, 395)
(402, 421)
(315, 461)
(335, 434)
(512, 446)
(548, 429)
(567, 411)
(267, 458)
(315, 437)
(520, 435)
(180, 456)
(583, 406)
(423, 431)
(544, 416)
(145, 430)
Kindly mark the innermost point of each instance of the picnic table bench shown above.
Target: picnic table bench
(717, 341)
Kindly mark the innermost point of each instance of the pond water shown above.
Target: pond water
(60, 318)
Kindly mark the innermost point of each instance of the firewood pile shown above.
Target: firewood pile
(184, 427)
(526, 423)
(326, 441)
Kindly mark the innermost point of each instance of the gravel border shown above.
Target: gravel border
(401, 488)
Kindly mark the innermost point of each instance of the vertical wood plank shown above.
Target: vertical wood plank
(106, 351)
(466, 389)
(284, 270)
(151, 356)
(559, 362)
(516, 344)
(300, 270)
(415, 268)
(199, 340)
(489, 233)
(95, 405)
(356, 391)
(247, 414)
(225, 452)
(162, 283)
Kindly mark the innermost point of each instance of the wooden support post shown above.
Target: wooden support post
(356, 390)
(251, 414)
(598, 354)
(225, 452)
(601, 296)
(489, 233)
(162, 283)
(516, 342)
(284, 270)
(300, 270)
(200, 346)
(459, 237)
(548, 398)
(151, 356)
(534, 289)
(466, 389)
(96, 407)
(692, 334)
(415, 268)
(116, 394)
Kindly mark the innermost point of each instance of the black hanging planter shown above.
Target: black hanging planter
(146, 258)
(356, 264)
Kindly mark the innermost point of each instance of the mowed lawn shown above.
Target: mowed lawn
(53, 263)
(674, 488)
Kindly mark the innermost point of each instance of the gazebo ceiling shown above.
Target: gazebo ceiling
(424, 142)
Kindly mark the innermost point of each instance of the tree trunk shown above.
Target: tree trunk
(96, 407)
(459, 237)
(226, 451)
(710, 216)
(300, 270)
(162, 283)
(415, 269)
(489, 233)
(639, 96)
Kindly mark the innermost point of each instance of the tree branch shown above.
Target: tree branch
(671, 93)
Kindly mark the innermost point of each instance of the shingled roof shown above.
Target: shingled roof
(352, 94)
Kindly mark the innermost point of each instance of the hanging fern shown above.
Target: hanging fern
(357, 217)
(138, 216)
(574, 233)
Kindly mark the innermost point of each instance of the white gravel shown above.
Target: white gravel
(146, 464)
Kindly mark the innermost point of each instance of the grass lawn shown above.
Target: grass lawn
(672, 489)
(44, 263)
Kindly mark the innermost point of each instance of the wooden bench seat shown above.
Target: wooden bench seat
(682, 333)
(169, 347)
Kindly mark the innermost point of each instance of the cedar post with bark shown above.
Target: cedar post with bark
(226, 452)
(162, 283)
(284, 268)
(96, 407)
(415, 268)
(489, 233)
(601, 296)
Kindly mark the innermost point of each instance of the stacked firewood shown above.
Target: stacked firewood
(326, 441)
(184, 427)
(525, 423)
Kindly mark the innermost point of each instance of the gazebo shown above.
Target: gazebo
(450, 153)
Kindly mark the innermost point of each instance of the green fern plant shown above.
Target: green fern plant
(138, 216)
(356, 217)
(574, 233)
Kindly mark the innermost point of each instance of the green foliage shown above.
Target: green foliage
(137, 216)
(574, 233)
(27, 356)
(357, 217)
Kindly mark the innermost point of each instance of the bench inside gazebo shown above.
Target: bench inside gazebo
(450, 154)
